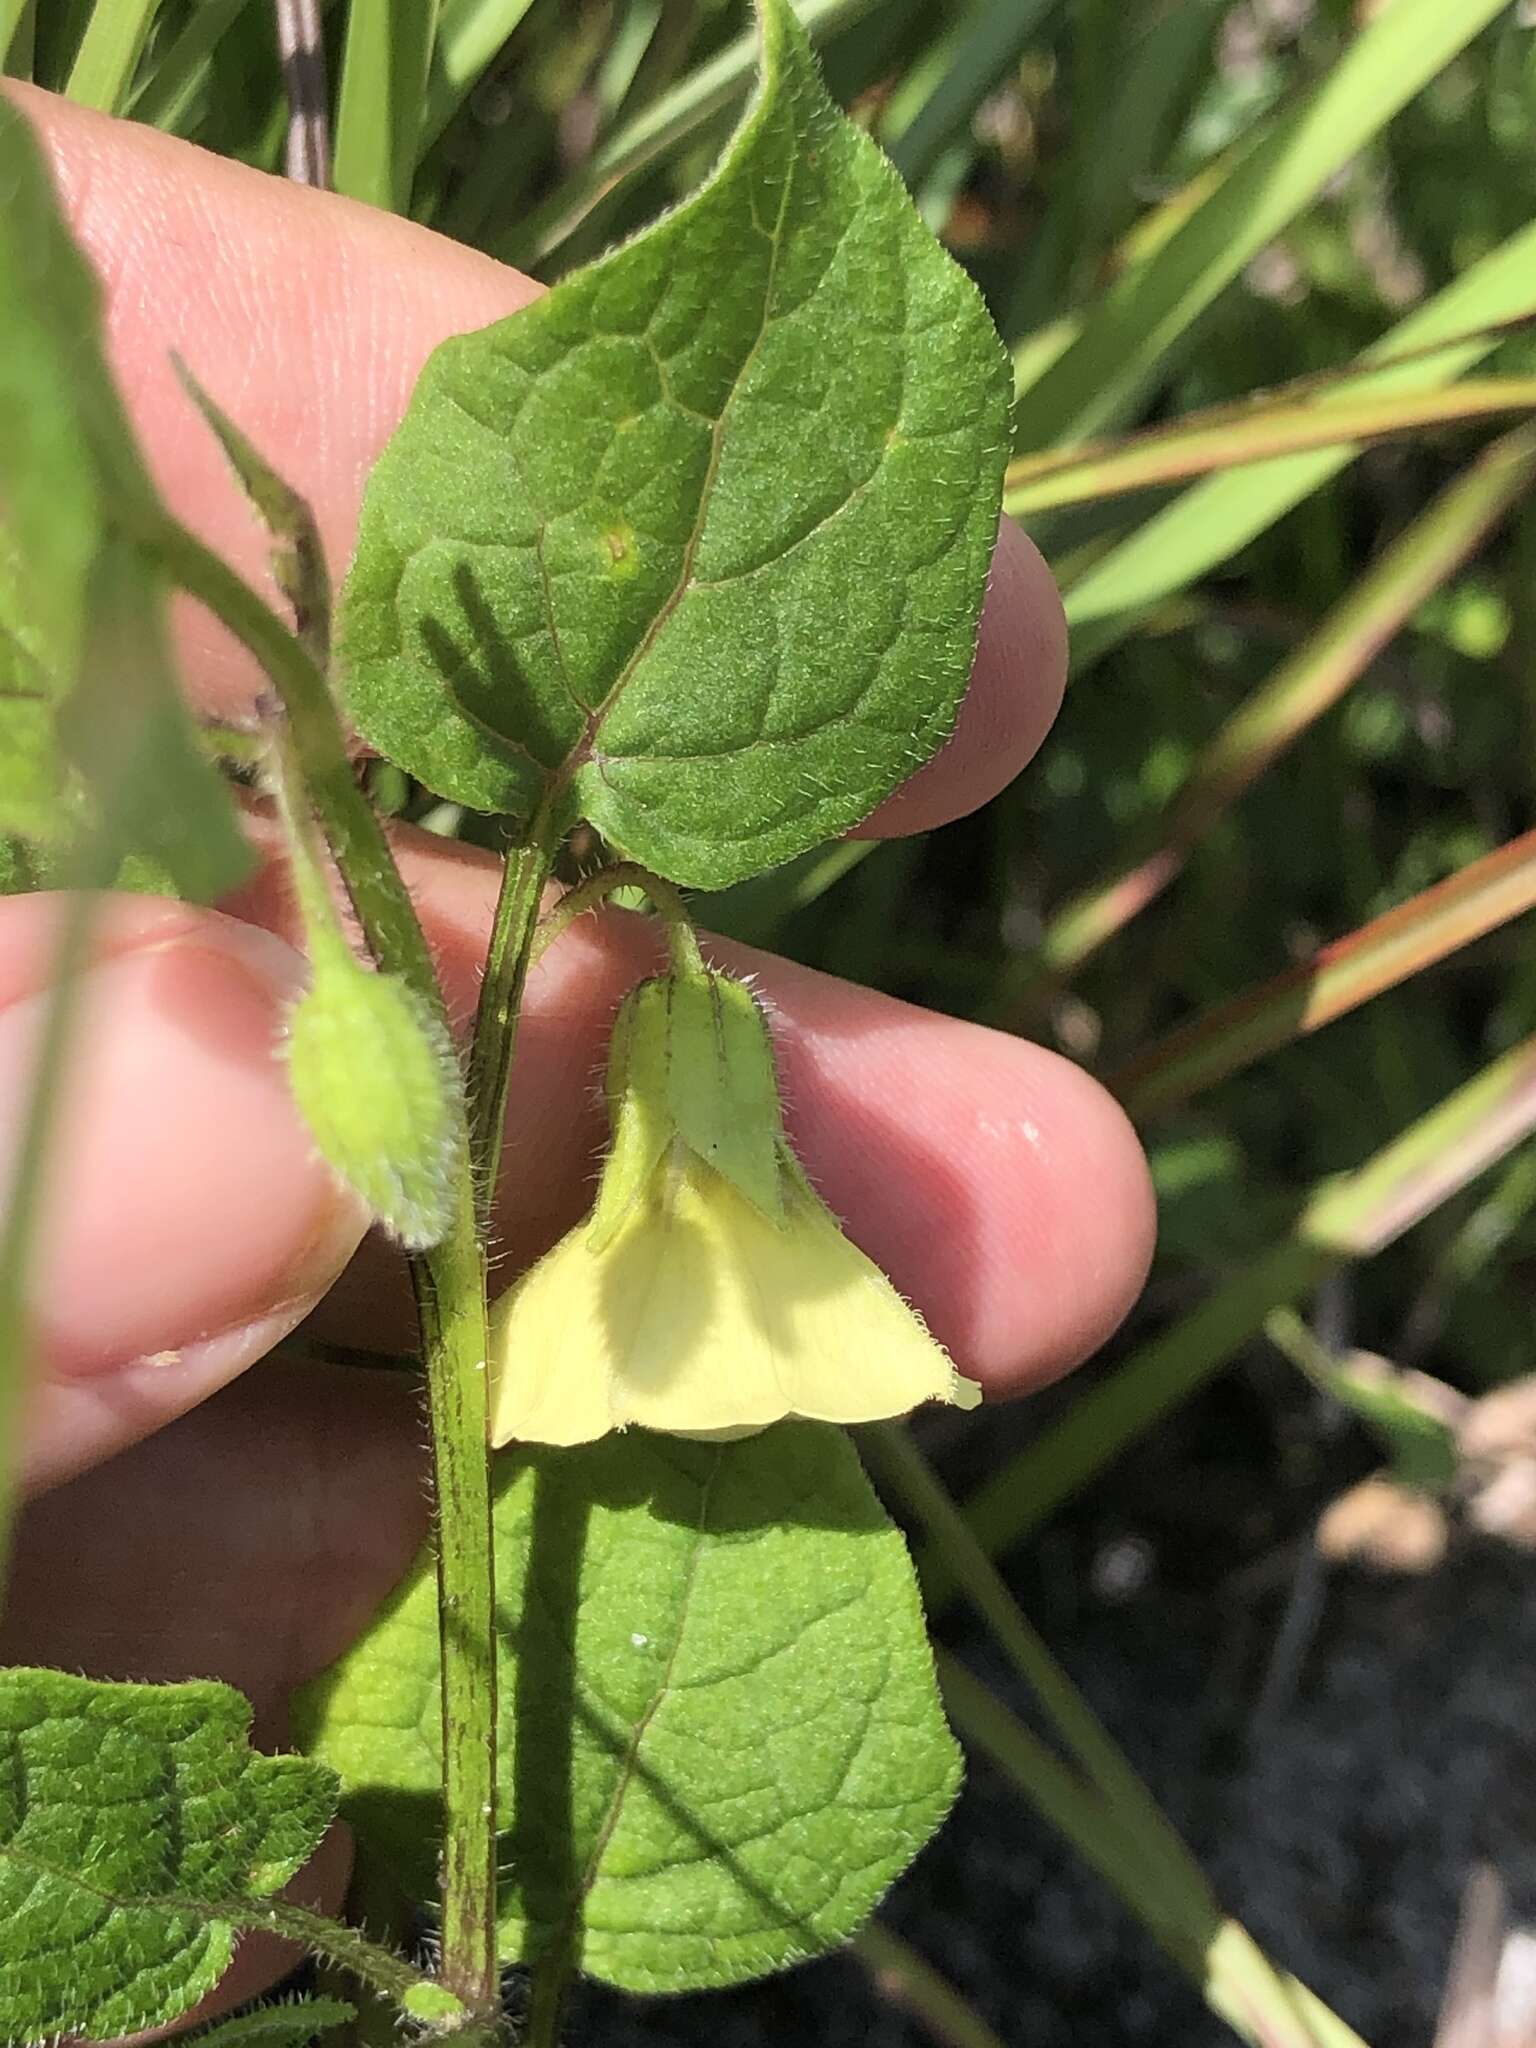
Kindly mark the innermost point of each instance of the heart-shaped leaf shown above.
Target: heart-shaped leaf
(720, 1764)
(695, 546)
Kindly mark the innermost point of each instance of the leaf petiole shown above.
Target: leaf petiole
(508, 958)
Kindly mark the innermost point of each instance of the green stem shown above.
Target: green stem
(501, 998)
(449, 1282)
(351, 826)
(380, 1968)
(625, 874)
(546, 2000)
(27, 1188)
(450, 1300)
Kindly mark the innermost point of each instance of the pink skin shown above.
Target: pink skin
(189, 1214)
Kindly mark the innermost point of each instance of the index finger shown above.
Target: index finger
(308, 317)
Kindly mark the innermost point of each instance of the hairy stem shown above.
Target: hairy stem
(450, 1299)
(449, 1282)
(595, 889)
(501, 999)
(351, 826)
(382, 1969)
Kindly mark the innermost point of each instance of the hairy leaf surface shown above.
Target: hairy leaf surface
(135, 1820)
(292, 2024)
(734, 1753)
(695, 546)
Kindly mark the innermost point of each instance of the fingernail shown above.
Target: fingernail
(186, 1203)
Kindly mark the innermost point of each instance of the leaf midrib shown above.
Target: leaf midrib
(585, 747)
(570, 1931)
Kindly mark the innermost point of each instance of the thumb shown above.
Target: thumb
(188, 1222)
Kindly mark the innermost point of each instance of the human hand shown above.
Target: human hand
(192, 1224)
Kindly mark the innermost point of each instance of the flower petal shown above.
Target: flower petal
(701, 1318)
(847, 1348)
(650, 1325)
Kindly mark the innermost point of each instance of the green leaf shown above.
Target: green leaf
(31, 785)
(721, 1766)
(293, 2024)
(378, 1082)
(57, 397)
(136, 1824)
(151, 793)
(695, 546)
(33, 775)
(298, 556)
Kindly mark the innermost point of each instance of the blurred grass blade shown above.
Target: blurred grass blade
(1380, 955)
(1477, 1243)
(1190, 448)
(959, 70)
(469, 35)
(1420, 1446)
(18, 23)
(1207, 524)
(1349, 1216)
(663, 32)
(170, 83)
(1157, 1861)
(984, 1723)
(1127, 334)
(24, 1188)
(1041, 345)
(1263, 2006)
(1432, 1160)
(905, 1979)
(109, 53)
(1157, 1377)
(668, 122)
(384, 68)
(1306, 685)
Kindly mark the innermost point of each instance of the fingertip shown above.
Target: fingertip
(1017, 684)
(1077, 1227)
(189, 1220)
(1001, 1187)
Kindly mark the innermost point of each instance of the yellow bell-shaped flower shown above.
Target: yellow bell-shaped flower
(711, 1291)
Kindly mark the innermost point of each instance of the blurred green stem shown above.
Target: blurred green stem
(1157, 1862)
(26, 1186)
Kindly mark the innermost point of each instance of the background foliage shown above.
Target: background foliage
(1302, 703)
